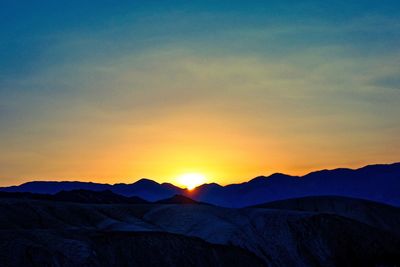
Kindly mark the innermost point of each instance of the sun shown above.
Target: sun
(191, 180)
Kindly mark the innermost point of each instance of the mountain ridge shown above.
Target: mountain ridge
(377, 182)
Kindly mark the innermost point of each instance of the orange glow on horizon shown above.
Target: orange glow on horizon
(191, 180)
(225, 150)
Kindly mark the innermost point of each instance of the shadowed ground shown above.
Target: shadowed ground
(52, 233)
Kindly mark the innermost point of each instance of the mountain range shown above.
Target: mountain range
(313, 220)
(379, 183)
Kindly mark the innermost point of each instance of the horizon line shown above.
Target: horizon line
(149, 179)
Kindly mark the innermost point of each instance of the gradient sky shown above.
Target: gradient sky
(113, 92)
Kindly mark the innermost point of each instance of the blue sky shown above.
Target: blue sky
(262, 86)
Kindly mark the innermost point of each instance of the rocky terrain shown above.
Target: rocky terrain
(115, 248)
(61, 233)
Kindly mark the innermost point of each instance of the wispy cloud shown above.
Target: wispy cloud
(139, 83)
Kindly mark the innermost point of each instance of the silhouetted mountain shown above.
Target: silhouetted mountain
(26, 195)
(78, 196)
(100, 197)
(144, 188)
(177, 199)
(379, 183)
(147, 189)
(96, 197)
(47, 187)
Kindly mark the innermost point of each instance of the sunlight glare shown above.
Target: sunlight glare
(191, 180)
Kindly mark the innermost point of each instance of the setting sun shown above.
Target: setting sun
(191, 180)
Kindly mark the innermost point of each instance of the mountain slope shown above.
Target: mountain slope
(372, 213)
(283, 238)
(177, 199)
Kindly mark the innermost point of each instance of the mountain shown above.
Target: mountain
(147, 189)
(379, 183)
(177, 199)
(53, 233)
(49, 187)
(95, 197)
(144, 188)
(78, 196)
(99, 197)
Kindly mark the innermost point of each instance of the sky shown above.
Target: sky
(114, 91)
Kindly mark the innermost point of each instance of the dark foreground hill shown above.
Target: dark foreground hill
(54, 233)
(104, 248)
(179, 199)
(379, 183)
(369, 212)
(78, 196)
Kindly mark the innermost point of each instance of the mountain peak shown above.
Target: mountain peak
(208, 185)
(146, 181)
(279, 175)
(276, 175)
